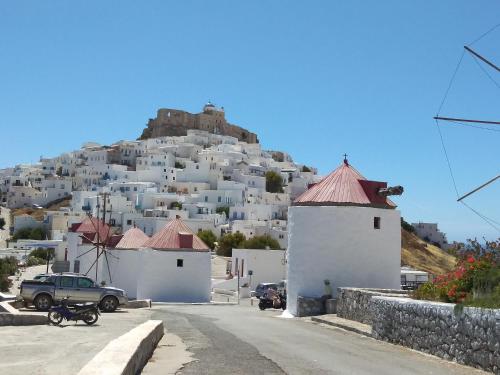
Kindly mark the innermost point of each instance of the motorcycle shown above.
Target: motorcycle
(89, 313)
(277, 302)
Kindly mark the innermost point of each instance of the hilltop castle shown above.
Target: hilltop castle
(174, 122)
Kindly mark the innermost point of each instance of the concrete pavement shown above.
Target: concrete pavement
(61, 350)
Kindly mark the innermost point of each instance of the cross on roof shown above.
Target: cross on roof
(345, 160)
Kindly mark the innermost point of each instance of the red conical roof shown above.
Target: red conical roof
(169, 238)
(89, 228)
(134, 238)
(345, 186)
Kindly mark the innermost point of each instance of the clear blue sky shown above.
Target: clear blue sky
(315, 79)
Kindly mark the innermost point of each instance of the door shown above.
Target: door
(65, 288)
(86, 290)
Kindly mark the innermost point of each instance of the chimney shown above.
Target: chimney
(185, 240)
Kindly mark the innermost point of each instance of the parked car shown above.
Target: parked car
(42, 276)
(262, 289)
(77, 288)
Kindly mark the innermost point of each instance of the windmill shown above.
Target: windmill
(486, 124)
(99, 237)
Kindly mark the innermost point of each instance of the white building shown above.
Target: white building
(175, 266)
(344, 231)
(259, 266)
(429, 232)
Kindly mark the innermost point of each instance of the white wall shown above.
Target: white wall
(267, 265)
(162, 281)
(340, 243)
(124, 265)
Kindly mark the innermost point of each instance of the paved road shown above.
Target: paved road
(243, 340)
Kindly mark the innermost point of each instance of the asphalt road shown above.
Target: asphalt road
(244, 340)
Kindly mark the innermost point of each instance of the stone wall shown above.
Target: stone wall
(470, 337)
(309, 306)
(355, 303)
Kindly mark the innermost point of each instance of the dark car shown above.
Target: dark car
(262, 289)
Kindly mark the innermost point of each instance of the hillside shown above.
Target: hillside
(38, 213)
(421, 255)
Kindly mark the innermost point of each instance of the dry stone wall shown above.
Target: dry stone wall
(470, 336)
(355, 303)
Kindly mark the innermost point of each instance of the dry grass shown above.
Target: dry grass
(421, 255)
(38, 213)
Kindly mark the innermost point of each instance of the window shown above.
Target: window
(84, 283)
(129, 222)
(219, 199)
(67, 282)
(376, 222)
(180, 262)
(206, 198)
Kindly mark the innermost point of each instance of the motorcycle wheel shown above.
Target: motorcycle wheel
(283, 306)
(55, 318)
(90, 317)
(262, 306)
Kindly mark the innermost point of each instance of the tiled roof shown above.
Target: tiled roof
(345, 186)
(169, 238)
(134, 238)
(89, 227)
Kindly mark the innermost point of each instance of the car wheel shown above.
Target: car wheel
(109, 304)
(43, 302)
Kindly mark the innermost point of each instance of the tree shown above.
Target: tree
(179, 165)
(8, 267)
(208, 237)
(261, 242)
(274, 182)
(230, 241)
(30, 234)
(221, 210)
(41, 253)
(407, 226)
(305, 168)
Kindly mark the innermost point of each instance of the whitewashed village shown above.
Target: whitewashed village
(193, 248)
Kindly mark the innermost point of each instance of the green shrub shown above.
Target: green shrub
(274, 182)
(230, 241)
(34, 261)
(261, 242)
(30, 234)
(221, 210)
(475, 282)
(208, 237)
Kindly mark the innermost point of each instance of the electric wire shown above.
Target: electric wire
(475, 126)
(447, 159)
(483, 35)
(451, 82)
(486, 72)
(491, 222)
